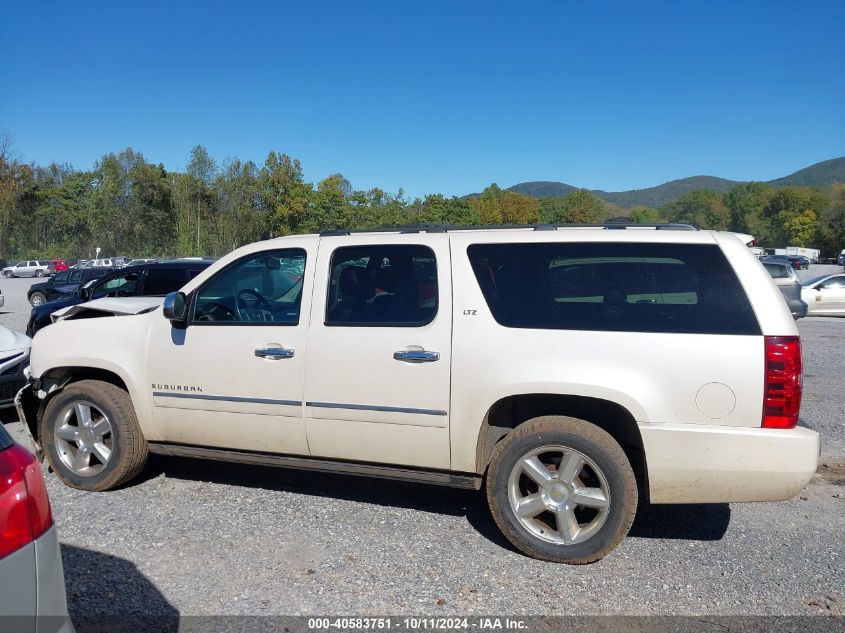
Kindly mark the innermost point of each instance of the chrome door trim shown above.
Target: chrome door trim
(201, 396)
(373, 407)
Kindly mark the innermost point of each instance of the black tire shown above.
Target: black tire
(129, 449)
(588, 440)
(39, 273)
(37, 299)
(8, 274)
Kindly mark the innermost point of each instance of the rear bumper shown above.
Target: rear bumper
(691, 463)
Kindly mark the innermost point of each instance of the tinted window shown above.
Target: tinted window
(61, 278)
(382, 285)
(161, 281)
(777, 271)
(612, 286)
(75, 277)
(265, 288)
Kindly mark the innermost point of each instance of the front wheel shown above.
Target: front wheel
(91, 436)
(562, 489)
(37, 299)
(8, 273)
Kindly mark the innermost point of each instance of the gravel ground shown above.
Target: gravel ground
(196, 538)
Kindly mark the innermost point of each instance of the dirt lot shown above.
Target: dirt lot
(207, 538)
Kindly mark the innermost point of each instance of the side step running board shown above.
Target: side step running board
(453, 480)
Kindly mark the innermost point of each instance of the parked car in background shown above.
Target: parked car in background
(2, 299)
(58, 265)
(14, 357)
(63, 284)
(153, 279)
(28, 268)
(825, 296)
(790, 260)
(787, 281)
(841, 259)
(142, 260)
(31, 575)
(799, 262)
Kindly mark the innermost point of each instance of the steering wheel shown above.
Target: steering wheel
(217, 312)
(260, 302)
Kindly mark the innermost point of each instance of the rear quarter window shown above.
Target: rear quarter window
(680, 288)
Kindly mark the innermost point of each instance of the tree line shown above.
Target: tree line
(126, 205)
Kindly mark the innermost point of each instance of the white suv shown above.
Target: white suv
(571, 371)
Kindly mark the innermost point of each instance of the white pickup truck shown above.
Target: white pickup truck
(570, 371)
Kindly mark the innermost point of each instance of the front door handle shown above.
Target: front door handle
(274, 353)
(416, 356)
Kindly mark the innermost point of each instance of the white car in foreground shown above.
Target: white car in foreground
(572, 371)
(14, 357)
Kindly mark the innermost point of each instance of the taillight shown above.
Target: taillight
(782, 395)
(24, 507)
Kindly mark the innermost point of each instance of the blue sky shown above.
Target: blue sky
(433, 96)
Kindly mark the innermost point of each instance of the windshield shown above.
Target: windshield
(814, 280)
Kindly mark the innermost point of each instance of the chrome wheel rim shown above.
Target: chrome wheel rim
(559, 494)
(84, 438)
(36, 300)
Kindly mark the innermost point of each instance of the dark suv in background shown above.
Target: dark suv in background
(64, 284)
(153, 279)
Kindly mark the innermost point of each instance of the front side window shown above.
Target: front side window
(60, 278)
(120, 286)
(264, 288)
(382, 286)
(684, 288)
(75, 277)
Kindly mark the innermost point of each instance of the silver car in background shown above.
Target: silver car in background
(32, 584)
(28, 268)
(789, 284)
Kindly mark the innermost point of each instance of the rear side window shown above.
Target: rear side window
(682, 288)
(162, 281)
(389, 286)
(777, 271)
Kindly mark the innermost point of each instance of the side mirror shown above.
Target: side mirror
(87, 292)
(175, 307)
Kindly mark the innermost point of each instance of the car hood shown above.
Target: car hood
(11, 340)
(116, 306)
(54, 305)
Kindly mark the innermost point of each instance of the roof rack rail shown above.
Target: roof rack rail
(612, 224)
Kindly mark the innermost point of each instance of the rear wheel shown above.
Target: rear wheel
(37, 299)
(91, 436)
(39, 273)
(562, 489)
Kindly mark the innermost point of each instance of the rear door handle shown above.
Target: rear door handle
(416, 356)
(274, 353)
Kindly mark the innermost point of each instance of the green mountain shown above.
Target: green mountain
(821, 174)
